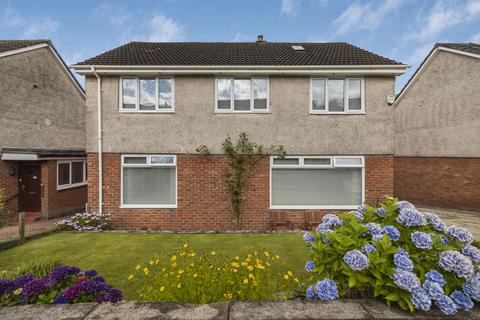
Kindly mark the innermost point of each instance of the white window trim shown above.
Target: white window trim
(302, 166)
(232, 97)
(345, 98)
(137, 104)
(71, 185)
(148, 164)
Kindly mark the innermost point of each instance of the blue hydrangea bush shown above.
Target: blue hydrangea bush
(85, 221)
(62, 285)
(395, 252)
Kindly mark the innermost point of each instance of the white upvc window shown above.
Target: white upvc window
(337, 95)
(71, 174)
(242, 95)
(147, 94)
(317, 182)
(149, 181)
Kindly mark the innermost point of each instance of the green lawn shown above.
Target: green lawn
(114, 255)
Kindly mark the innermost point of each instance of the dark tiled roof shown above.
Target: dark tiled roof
(7, 45)
(466, 47)
(237, 54)
(47, 152)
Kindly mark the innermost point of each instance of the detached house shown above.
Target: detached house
(437, 123)
(42, 131)
(150, 105)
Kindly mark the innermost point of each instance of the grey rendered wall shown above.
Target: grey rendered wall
(288, 124)
(440, 115)
(39, 106)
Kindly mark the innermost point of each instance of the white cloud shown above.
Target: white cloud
(32, 27)
(289, 7)
(420, 53)
(444, 15)
(476, 38)
(365, 16)
(116, 15)
(165, 29)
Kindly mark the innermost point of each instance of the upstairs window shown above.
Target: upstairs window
(241, 95)
(337, 95)
(147, 94)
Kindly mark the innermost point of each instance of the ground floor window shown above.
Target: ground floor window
(149, 181)
(307, 182)
(71, 173)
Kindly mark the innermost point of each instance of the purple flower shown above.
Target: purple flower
(435, 276)
(6, 286)
(381, 212)
(33, 288)
(433, 289)
(356, 260)
(460, 234)
(310, 293)
(402, 260)
(309, 266)
(308, 237)
(462, 301)
(404, 205)
(406, 280)
(327, 290)
(472, 252)
(362, 209)
(358, 215)
(90, 273)
(63, 272)
(472, 288)
(392, 232)
(435, 221)
(22, 280)
(446, 305)
(420, 299)
(411, 218)
(368, 248)
(422, 240)
(454, 261)
(332, 220)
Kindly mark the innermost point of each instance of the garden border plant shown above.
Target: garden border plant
(395, 252)
(244, 155)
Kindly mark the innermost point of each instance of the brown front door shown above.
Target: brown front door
(29, 188)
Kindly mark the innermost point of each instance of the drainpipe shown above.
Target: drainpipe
(99, 139)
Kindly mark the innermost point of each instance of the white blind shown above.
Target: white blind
(154, 185)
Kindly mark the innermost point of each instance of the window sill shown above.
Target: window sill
(146, 111)
(346, 207)
(148, 206)
(337, 113)
(242, 112)
(71, 186)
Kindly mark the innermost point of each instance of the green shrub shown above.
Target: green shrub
(205, 277)
(397, 253)
(39, 268)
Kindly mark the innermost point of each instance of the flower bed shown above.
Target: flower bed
(194, 276)
(63, 284)
(85, 221)
(395, 252)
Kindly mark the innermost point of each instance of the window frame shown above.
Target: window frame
(346, 109)
(148, 164)
(232, 95)
(137, 100)
(332, 166)
(71, 185)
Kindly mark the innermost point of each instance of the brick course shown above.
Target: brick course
(439, 182)
(203, 201)
(9, 185)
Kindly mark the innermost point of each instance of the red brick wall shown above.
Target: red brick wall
(59, 202)
(439, 182)
(9, 184)
(203, 200)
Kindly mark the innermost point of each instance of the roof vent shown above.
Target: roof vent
(260, 38)
(298, 48)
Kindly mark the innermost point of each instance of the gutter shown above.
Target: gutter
(99, 139)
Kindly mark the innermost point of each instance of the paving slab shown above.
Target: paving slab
(159, 311)
(47, 312)
(465, 219)
(289, 310)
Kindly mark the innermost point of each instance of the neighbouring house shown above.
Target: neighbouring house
(150, 105)
(42, 131)
(437, 130)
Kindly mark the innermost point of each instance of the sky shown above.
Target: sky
(403, 30)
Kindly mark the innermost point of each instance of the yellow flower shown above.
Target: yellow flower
(145, 270)
(245, 281)
(185, 245)
(255, 253)
(266, 253)
(234, 270)
(152, 262)
(173, 258)
(174, 265)
(164, 269)
(290, 273)
(285, 276)
(235, 264)
(267, 263)
(250, 268)
(130, 276)
(250, 275)
(237, 258)
(296, 280)
(228, 295)
(192, 254)
(18, 291)
(192, 264)
(138, 267)
(183, 253)
(181, 271)
(277, 257)
(179, 285)
(157, 261)
(213, 253)
(195, 275)
(162, 288)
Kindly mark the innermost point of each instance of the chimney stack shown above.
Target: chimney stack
(260, 38)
